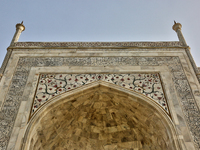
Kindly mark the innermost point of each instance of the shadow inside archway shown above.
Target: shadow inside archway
(100, 117)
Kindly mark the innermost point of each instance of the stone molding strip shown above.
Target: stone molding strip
(194, 66)
(5, 62)
(96, 44)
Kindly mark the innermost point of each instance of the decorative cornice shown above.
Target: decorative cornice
(95, 44)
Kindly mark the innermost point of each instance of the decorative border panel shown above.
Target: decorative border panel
(98, 44)
(16, 89)
(51, 85)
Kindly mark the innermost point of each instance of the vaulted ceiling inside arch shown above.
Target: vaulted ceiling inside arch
(101, 119)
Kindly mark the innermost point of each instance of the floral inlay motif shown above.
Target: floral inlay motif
(51, 85)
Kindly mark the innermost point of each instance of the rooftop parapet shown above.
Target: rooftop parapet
(52, 45)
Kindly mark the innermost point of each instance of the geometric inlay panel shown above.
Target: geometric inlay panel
(51, 85)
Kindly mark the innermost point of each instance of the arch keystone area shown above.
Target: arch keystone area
(103, 116)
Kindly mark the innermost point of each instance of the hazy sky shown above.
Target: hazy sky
(100, 20)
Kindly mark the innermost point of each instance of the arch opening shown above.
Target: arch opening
(101, 117)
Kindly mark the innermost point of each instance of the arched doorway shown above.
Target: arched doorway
(100, 116)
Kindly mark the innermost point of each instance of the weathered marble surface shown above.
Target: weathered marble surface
(14, 95)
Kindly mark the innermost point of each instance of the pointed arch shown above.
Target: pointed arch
(103, 113)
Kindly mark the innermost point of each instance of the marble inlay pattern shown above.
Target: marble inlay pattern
(51, 85)
(17, 86)
(98, 44)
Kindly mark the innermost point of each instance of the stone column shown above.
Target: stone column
(177, 27)
(19, 28)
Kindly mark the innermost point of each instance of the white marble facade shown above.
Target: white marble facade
(28, 63)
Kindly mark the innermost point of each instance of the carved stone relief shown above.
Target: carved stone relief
(98, 44)
(14, 95)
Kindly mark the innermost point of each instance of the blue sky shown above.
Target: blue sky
(100, 20)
